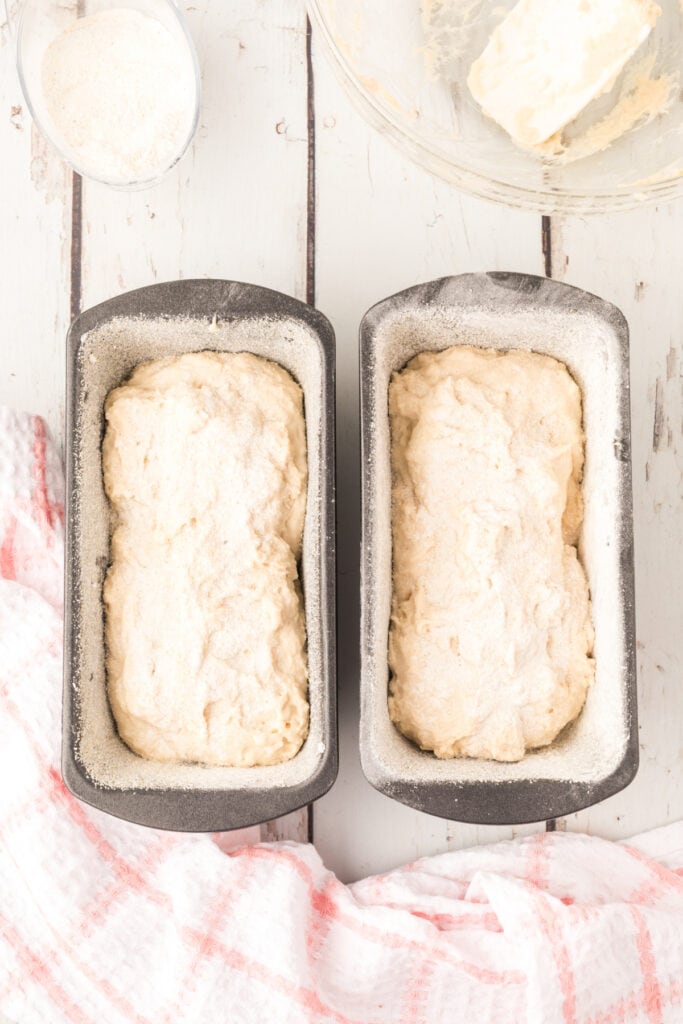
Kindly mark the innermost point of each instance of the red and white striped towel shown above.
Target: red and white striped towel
(102, 922)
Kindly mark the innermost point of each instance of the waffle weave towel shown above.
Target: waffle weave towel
(102, 922)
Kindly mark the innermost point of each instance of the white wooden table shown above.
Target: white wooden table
(285, 186)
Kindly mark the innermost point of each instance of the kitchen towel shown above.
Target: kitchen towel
(102, 922)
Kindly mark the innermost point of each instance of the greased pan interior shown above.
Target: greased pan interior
(104, 345)
(597, 755)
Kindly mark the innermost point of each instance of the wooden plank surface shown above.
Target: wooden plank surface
(236, 205)
(35, 240)
(636, 261)
(239, 206)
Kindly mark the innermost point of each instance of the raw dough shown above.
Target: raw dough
(491, 635)
(205, 467)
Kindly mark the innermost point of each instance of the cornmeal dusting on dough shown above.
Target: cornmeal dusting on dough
(205, 468)
(490, 636)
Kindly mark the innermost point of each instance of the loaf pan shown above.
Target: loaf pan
(597, 755)
(104, 345)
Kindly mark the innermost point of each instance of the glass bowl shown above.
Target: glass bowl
(405, 63)
(41, 21)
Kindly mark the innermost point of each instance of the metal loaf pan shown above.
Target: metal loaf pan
(104, 345)
(597, 755)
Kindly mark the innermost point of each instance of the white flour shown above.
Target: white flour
(120, 89)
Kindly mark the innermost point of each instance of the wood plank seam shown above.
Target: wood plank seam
(547, 251)
(310, 219)
(547, 246)
(75, 277)
(311, 180)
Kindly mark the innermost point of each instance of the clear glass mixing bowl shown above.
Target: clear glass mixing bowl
(40, 21)
(405, 63)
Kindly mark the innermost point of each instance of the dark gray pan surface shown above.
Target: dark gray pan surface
(241, 801)
(598, 755)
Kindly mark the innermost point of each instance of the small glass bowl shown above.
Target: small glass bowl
(41, 21)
